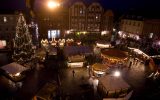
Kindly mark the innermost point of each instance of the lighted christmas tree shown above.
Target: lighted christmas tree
(23, 51)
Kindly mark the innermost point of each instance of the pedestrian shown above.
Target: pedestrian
(130, 64)
(73, 72)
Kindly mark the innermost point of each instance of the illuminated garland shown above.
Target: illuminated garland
(23, 51)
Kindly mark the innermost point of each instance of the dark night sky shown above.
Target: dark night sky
(148, 6)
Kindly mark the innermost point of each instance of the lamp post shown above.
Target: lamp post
(52, 5)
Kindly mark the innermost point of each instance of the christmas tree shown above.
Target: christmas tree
(23, 51)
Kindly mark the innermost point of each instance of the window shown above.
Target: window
(81, 11)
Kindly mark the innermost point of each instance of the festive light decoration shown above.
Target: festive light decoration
(23, 51)
(117, 73)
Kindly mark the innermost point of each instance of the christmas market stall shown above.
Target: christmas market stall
(137, 53)
(75, 55)
(110, 86)
(76, 61)
(99, 69)
(15, 71)
(114, 57)
(103, 44)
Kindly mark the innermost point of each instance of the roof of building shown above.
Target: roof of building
(74, 50)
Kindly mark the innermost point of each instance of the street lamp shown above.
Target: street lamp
(53, 4)
(117, 73)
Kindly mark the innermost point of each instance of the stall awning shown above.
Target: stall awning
(114, 54)
(100, 67)
(112, 83)
(13, 68)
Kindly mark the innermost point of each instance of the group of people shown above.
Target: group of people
(135, 62)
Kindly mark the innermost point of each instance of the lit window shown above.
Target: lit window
(4, 19)
(80, 11)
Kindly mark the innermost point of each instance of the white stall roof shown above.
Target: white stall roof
(13, 68)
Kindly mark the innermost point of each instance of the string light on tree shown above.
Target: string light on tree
(23, 51)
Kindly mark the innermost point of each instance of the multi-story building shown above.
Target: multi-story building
(94, 17)
(85, 18)
(8, 27)
(151, 28)
(77, 17)
(139, 26)
(132, 25)
(107, 23)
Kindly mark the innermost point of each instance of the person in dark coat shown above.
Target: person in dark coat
(73, 72)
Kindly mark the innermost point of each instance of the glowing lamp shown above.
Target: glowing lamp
(117, 74)
(53, 4)
(17, 74)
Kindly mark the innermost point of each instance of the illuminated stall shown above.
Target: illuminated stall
(76, 61)
(99, 69)
(140, 54)
(15, 71)
(110, 86)
(114, 57)
(44, 42)
(53, 43)
(76, 55)
(103, 44)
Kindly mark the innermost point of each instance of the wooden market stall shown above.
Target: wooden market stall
(15, 71)
(112, 87)
(99, 69)
(76, 61)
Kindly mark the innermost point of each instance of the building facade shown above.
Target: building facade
(132, 26)
(152, 28)
(77, 17)
(84, 18)
(107, 23)
(140, 27)
(8, 27)
(94, 17)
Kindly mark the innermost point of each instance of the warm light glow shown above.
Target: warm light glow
(17, 74)
(117, 74)
(53, 4)
(99, 72)
(114, 29)
(75, 64)
(103, 45)
(103, 33)
(68, 32)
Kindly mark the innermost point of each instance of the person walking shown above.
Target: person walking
(73, 72)
(130, 64)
